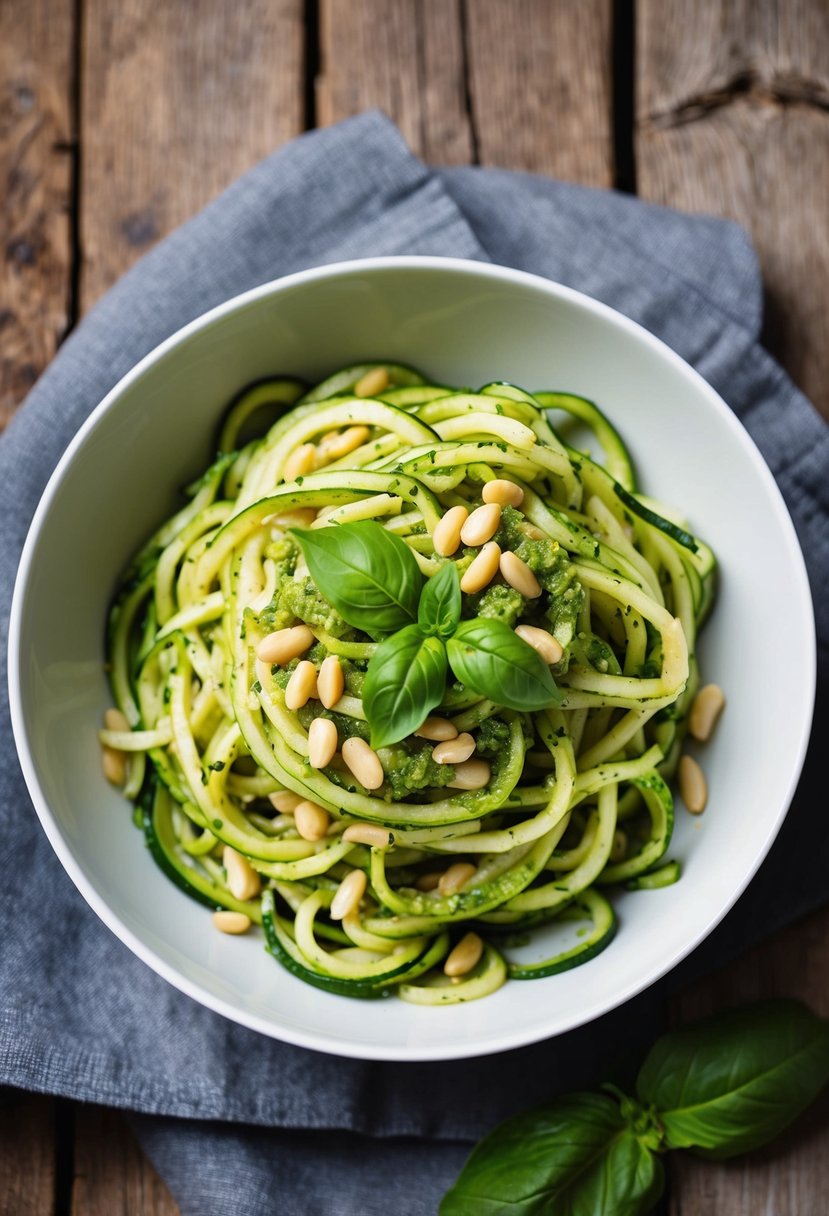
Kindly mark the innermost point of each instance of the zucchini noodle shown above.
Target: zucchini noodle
(574, 798)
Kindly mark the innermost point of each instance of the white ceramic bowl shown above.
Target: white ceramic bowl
(462, 323)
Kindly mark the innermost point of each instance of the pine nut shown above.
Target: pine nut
(285, 644)
(372, 383)
(311, 821)
(457, 876)
(470, 775)
(115, 720)
(547, 646)
(505, 493)
(692, 785)
(348, 895)
(322, 742)
(619, 848)
(231, 922)
(301, 686)
(705, 711)
(330, 681)
(372, 834)
(447, 535)
(482, 570)
(482, 524)
(285, 801)
(363, 762)
(429, 881)
(114, 765)
(465, 957)
(337, 444)
(242, 880)
(518, 574)
(454, 751)
(439, 729)
(301, 461)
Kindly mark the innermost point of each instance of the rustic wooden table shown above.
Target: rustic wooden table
(120, 118)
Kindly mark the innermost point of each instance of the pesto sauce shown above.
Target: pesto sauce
(554, 570)
(410, 768)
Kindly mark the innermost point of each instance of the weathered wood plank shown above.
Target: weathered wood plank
(112, 1175)
(732, 121)
(735, 121)
(36, 134)
(176, 103)
(792, 1177)
(541, 85)
(27, 1154)
(406, 59)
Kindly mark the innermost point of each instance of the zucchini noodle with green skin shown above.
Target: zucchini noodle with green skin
(573, 740)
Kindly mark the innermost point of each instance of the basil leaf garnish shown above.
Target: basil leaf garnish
(492, 660)
(440, 602)
(575, 1157)
(370, 576)
(730, 1083)
(405, 679)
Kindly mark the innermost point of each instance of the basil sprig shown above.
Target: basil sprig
(439, 610)
(563, 1160)
(373, 580)
(721, 1086)
(405, 679)
(368, 574)
(495, 662)
(729, 1085)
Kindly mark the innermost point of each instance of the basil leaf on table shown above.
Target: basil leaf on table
(369, 575)
(576, 1157)
(405, 679)
(729, 1084)
(439, 610)
(493, 661)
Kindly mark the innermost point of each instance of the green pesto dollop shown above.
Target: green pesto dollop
(498, 602)
(347, 727)
(556, 573)
(299, 598)
(410, 768)
(492, 736)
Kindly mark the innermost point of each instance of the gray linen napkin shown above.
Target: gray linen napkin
(79, 1015)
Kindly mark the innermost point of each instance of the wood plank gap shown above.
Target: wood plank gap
(467, 83)
(311, 33)
(623, 97)
(73, 304)
(64, 1155)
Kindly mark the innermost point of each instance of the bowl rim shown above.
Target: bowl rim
(408, 1052)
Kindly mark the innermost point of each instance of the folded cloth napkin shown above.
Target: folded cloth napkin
(79, 1014)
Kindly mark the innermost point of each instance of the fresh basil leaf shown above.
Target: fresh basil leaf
(492, 660)
(728, 1084)
(405, 679)
(575, 1157)
(439, 610)
(370, 576)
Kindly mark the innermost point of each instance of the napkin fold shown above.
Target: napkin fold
(79, 1014)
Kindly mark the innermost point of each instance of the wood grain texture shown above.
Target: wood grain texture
(541, 87)
(36, 82)
(177, 101)
(27, 1154)
(735, 121)
(792, 1177)
(112, 1175)
(405, 58)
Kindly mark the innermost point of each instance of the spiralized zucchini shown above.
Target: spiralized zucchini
(574, 796)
